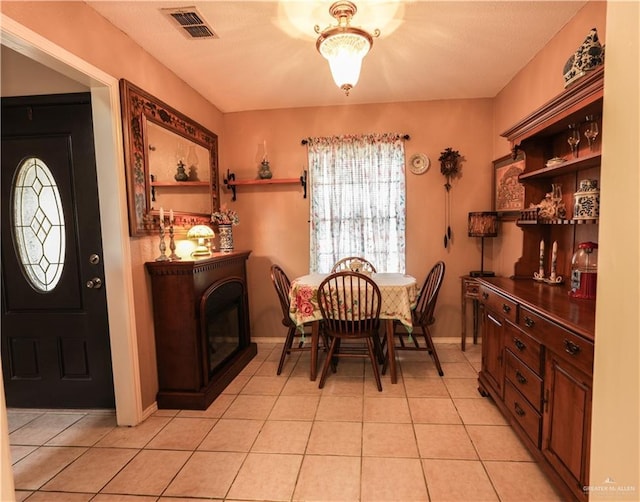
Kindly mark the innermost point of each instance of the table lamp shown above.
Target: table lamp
(483, 224)
(200, 233)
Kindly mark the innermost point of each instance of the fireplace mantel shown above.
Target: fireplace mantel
(189, 376)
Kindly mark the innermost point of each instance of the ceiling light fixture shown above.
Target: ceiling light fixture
(344, 46)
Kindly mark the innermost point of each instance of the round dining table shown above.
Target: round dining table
(398, 293)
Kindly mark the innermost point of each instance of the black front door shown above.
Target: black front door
(55, 332)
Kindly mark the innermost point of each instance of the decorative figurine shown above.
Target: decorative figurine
(181, 174)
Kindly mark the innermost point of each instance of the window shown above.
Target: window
(357, 188)
(38, 224)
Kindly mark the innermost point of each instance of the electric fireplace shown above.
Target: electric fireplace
(201, 322)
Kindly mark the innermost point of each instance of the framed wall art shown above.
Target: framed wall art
(508, 192)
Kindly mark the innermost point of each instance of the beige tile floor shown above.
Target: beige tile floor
(280, 438)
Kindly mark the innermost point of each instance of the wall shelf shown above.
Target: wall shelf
(556, 222)
(570, 166)
(232, 183)
(179, 183)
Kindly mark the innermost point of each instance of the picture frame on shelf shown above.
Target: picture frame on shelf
(508, 192)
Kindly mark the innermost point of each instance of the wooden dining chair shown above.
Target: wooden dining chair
(422, 318)
(353, 264)
(350, 305)
(302, 339)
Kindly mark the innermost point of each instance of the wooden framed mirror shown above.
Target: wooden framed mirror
(171, 163)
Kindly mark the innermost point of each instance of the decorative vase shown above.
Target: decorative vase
(586, 205)
(226, 238)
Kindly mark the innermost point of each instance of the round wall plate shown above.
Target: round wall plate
(419, 163)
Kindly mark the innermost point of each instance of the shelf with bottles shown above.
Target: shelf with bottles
(232, 183)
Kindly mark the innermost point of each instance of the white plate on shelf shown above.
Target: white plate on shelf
(556, 161)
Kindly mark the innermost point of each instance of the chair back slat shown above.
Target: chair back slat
(350, 304)
(426, 304)
(282, 286)
(357, 262)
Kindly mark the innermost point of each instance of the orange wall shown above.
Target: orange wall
(274, 219)
(536, 84)
(112, 51)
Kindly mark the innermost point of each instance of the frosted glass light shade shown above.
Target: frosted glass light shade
(345, 53)
(344, 46)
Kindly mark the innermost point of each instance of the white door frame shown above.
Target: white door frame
(105, 99)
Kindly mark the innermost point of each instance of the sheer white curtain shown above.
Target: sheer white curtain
(357, 189)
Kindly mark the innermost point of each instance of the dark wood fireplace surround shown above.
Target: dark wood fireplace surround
(185, 378)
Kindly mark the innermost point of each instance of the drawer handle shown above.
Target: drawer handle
(521, 378)
(571, 348)
(528, 322)
(519, 411)
(485, 296)
(494, 320)
(505, 308)
(520, 345)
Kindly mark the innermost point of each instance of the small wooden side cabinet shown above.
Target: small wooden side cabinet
(201, 324)
(470, 291)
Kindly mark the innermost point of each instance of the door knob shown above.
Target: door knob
(95, 283)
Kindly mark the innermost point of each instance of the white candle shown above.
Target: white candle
(541, 267)
(554, 258)
(171, 216)
(161, 216)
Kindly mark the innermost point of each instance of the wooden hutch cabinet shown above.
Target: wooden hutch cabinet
(538, 341)
(543, 136)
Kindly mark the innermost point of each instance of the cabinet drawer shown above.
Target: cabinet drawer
(524, 379)
(527, 417)
(524, 346)
(567, 345)
(471, 288)
(499, 304)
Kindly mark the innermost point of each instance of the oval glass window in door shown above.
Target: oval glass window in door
(38, 224)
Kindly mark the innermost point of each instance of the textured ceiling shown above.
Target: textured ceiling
(265, 56)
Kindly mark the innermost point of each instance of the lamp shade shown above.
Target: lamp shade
(200, 233)
(345, 52)
(483, 224)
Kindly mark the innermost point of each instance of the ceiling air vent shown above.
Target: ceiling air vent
(190, 22)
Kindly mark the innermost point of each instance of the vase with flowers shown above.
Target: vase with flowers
(225, 218)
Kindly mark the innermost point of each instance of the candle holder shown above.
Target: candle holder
(162, 246)
(539, 276)
(554, 280)
(172, 245)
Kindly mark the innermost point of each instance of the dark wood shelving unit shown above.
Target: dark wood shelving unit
(232, 183)
(539, 329)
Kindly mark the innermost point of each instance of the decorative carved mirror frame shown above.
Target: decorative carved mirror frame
(138, 107)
